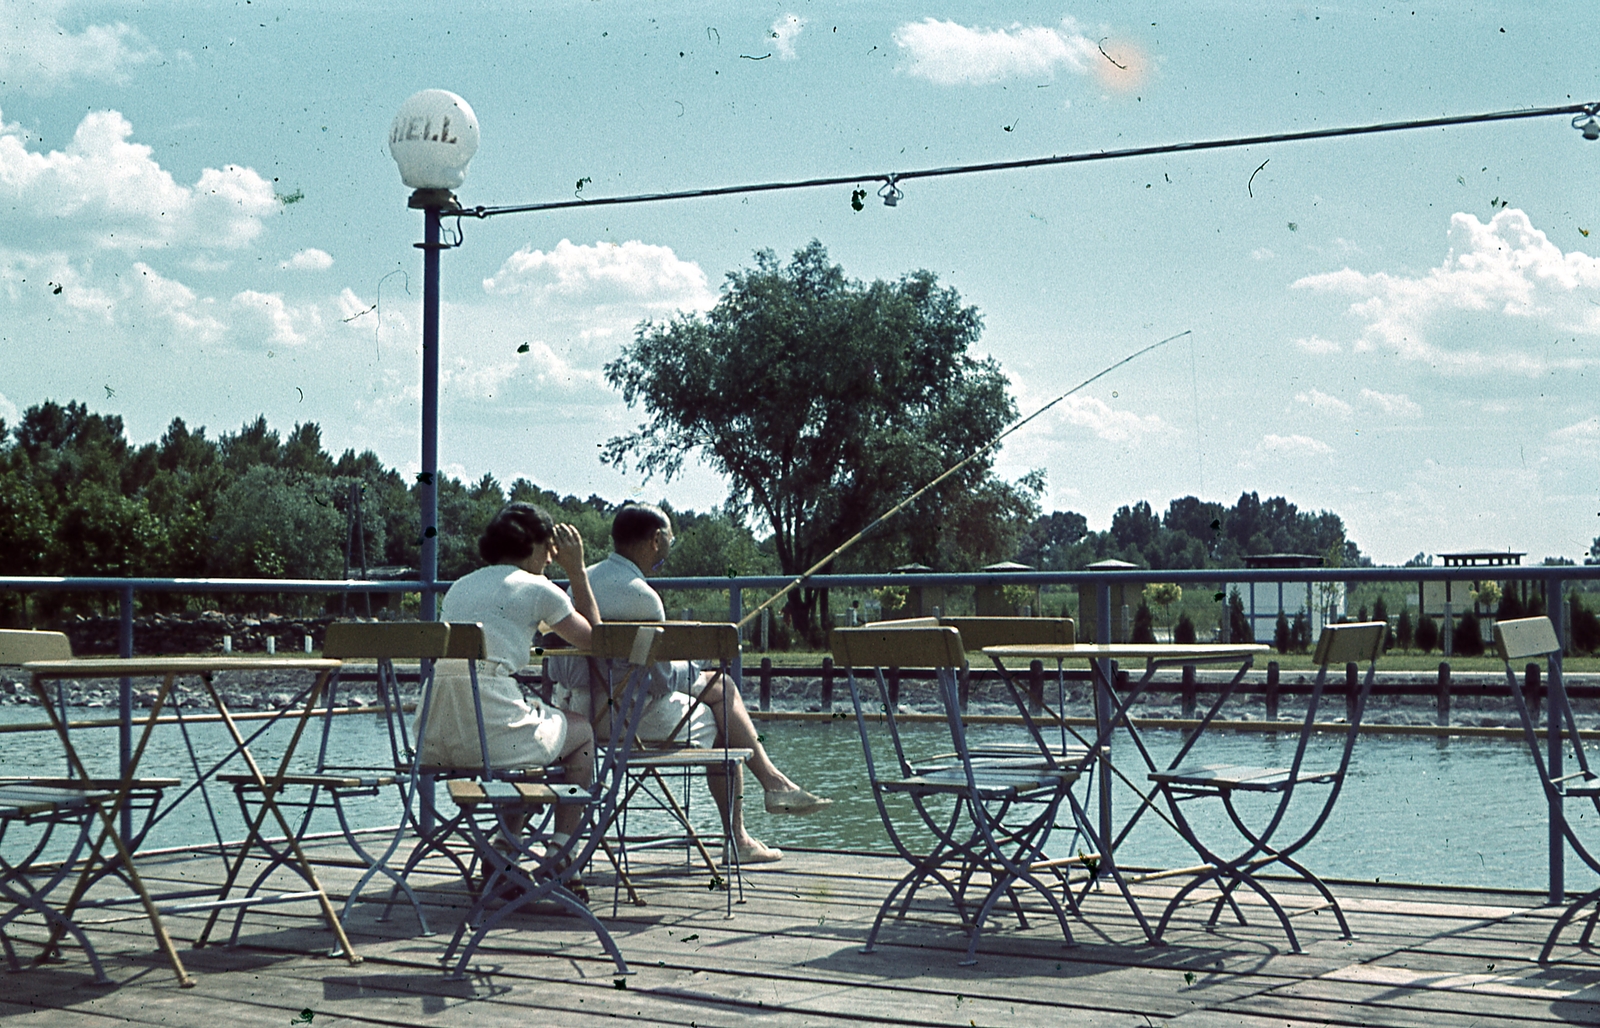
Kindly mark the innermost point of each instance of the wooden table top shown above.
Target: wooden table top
(117, 667)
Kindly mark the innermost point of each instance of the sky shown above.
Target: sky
(199, 218)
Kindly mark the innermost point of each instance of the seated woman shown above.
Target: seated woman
(707, 704)
(510, 597)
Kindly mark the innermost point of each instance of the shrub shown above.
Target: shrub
(1402, 630)
(1468, 638)
(1585, 626)
(1427, 634)
(1300, 633)
(1143, 625)
(1380, 612)
(1238, 625)
(1280, 633)
(1183, 631)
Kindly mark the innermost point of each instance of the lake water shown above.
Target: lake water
(1456, 811)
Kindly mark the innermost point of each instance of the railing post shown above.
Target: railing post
(736, 615)
(827, 684)
(964, 686)
(1555, 715)
(125, 700)
(1035, 686)
(1103, 699)
(1443, 694)
(766, 684)
(1273, 673)
(1190, 689)
(893, 678)
(1352, 689)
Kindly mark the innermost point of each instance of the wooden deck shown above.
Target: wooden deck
(790, 956)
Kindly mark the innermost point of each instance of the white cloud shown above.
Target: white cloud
(784, 32)
(287, 324)
(1397, 404)
(1292, 446)
(634, 274)
(1503, 290)
(177, 304)
(311, 259)
(1107, 422)
(8, 411)
(952, 54)
(109, 192)
(1321, 401)
(1261, 253)
(1318, 345)
(38, 54)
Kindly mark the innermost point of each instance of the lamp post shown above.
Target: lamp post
(432, 139)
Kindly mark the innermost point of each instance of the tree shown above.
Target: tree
(1380, 612)
(1402, 630)
(1585, 626)
(1238, 625)
(1280, 633)
(825, 400)
(1427, 634)
(1143, 625)
(1051, 539)
(1183, 632)
(1467, 640)
(270, 524)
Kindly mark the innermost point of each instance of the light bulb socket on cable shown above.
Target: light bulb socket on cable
(890, 192)
(1588, 124)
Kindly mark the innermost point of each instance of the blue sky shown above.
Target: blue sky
(1404, 330)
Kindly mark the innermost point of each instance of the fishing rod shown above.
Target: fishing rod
(974, 455)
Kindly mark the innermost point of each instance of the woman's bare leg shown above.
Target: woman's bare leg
(577, 758)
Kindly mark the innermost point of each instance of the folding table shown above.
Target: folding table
(1111, 714)
(169, 669)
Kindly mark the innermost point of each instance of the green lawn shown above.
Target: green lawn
(1397, 660)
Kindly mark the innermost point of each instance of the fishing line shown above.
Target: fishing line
(974, 455)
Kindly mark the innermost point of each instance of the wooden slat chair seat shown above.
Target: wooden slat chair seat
(1524, 640)
(705, 643)
(525, 868)
(1184, 781)
(335, 782)
(978, 829)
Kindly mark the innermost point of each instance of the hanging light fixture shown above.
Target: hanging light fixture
(890, 192)
(1587, 123)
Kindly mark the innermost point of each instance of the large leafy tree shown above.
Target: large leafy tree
(825, 400)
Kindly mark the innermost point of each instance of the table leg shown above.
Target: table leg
(108, 829)
(269, 791)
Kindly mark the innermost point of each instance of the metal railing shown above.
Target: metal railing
(1553, 579)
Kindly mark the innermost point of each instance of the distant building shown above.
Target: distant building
(1125, 597)
(1321, 602)
(996, 601)
(1436, 596)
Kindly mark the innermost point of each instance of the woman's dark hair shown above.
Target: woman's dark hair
(513, 533)
(636, 522)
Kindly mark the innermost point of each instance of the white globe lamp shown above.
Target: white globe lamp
(433, 139)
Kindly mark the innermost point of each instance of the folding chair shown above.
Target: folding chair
(1181, 783)
(448, 837)
(26, 882)
(46, 805)
(333, 784)
(652, 760)
(979, 827)
(526, 866)
(1523, 639)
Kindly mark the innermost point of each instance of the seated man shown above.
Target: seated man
(641, 537)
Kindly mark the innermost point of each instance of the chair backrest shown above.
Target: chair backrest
(18, 646)
(1357, 642)
(976, 633)
(915, 647)
(381, 640)
(679, 640)
(467, 641)
(1525, 637)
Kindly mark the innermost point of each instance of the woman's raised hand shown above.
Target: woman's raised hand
(569, 549)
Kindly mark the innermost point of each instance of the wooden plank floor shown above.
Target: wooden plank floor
(790, 955)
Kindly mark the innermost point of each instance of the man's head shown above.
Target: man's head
(642, 533)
